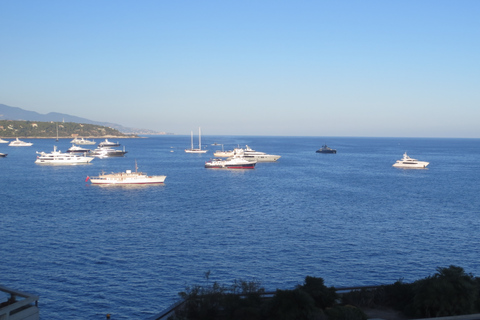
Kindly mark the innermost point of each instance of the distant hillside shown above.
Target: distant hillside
(15, 113)
(40, 129)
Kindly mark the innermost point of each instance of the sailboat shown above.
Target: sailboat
(199, 150)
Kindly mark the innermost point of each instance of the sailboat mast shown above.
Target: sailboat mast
(191, 139)
(199, 138)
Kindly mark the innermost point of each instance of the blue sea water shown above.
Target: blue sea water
(350, 218)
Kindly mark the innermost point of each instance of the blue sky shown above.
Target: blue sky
(292, 68)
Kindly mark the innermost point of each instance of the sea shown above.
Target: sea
(349, 218)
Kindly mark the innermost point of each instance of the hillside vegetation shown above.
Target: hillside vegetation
(449, 292)
(36, 129)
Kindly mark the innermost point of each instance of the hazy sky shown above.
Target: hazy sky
(260, 67)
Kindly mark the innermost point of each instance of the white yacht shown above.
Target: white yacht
(236, 162)
(107, 152)
(407, 162)
(77, 149)
(224, 154)
(107, 143)
(258, 156)
(83, 141)
(19, 143)
(126, 178)
(3, 141)
(59, 158)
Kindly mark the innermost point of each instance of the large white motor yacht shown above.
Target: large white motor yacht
(107, 143)
(19, 143)
(77, 149)
(258, 156)
(3, 141)
(236, 162)
(249, 154)
(59, 158)
(107, 152)
(83, 141)
(407, 162)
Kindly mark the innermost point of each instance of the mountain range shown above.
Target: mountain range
(15, 113)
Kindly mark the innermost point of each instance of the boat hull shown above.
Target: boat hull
(230, 167)
(64, 162)
(195, 151)
(326, 151)
(128, 180)
(418, 165)
(225, 164)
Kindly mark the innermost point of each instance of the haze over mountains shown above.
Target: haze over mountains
(15, 113)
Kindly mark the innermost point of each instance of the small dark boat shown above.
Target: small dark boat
(3, 155)
(325, 149)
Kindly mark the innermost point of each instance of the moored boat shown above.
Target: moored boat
(126, 178)
(252, 155)
(83, 141)
(107, 152)
(59, 158)
(77, 149)
(3, 141)
(19, 143)
(107, 143)
(3, 155)
(407, 162)
(224, 154)
(326, 149)
(235, 162)
(199, 149)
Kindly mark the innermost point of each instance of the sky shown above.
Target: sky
(253, 67)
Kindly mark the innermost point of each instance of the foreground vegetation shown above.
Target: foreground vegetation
(448, 292)
(37, 129)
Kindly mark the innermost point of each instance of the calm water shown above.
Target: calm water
(350, 218)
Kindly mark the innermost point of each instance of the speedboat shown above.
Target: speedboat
(59, 158)
(107, 143)
(252, 155)
(3, 141)
(83, 141)
(3, 155)
(77, 149)
(126, 178)
(19, 143)
(235, 162)
(107, 152)
(407, 162)
(325, 149)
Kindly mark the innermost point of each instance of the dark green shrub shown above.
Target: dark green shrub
(449, 292)
(293, 305)
(323, 296)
